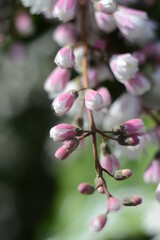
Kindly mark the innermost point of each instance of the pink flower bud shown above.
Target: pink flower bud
(63, 131)
(24, 24)
(101, 190)
(65, 34)
(107, 6)
(109, 162)
(98, 223)
(105, 95)
(93, 100)
(130, 22)
(124, 66)
(92, 77)
(137, 85)
(122, 174)
(152, 174)
(128, 141)
(64, 102)
(65, 10)
(85, 188)
(57, 80)
(65, 58)
(68, 147)
(105, 22)
(158, 193)
(78, 53)
(114, 204)
(131, 201)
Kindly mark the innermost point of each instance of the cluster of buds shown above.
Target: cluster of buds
(94, 65)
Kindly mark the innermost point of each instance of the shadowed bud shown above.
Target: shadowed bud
(107, 6)
(65, 58)
(85, 188)
(64, 102)
(114, 204)
(93, 100)
(158, 193)
(122, 174)
(131, 201)
(65, 10)
(63, 131)
(98, 223)
(128, 141)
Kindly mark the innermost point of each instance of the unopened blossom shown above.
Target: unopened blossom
(131, 200)
(152, 174)
(63, 132)
(158, 193)
(122, 174)
(114, 204)
(130, 22)
(107, 6)
(92, 77)
(64, 102)
(24, 24)
(65, 58)
(98, 223)
(109, 162)
(64, 151)
(105, 22)
(137, 85)
(86, 188)
(124, 66)
(105, 95)
(65, 34)
(78, 54)
(56, 81)
(65, 10)
(93, 100)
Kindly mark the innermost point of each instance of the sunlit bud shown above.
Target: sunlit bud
(122, 174)
(158, 193)
(78, 54)
(85, 188)
(63, 131)
(107, 6)
(64, 102)
(105, 95)
(68, 147)
(141, 57)
(65, 10)
(93, 100)
(65, 58)
(137, 85)
(124, 66)
(57, 80)
(98, 223)
(65, 34)
(128, 141)
(109, 162)
(101, 190)
(133, 127)
(24, 24)
(114, 204)
(131, 200)
(105, 22)
(152, 174)
(130, 22)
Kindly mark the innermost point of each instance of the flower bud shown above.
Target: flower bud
(158, 193)
(137, 85)
(152, 174)
(107, 6)
(128, 141)
(63, 131)
(78, 54)
(65, 58)
(131, 200)
(65, 10)
(24, 24)
(85, 188)
(124, 66)
(114, 204)
(93, 100)
(109, 162)
(98, 223)
(62, 153)
(122, 174)
(105, 95)
(57, 81)
(64, 102)
(68, 147)
(105, 22)
(133, 127)
(65, 34)
(101, 190)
